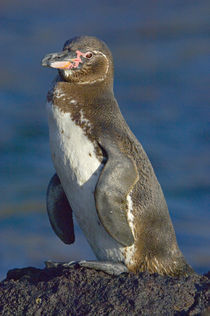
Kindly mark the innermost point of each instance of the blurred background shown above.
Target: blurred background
(161, 53)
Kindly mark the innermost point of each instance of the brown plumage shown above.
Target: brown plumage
(131, 217)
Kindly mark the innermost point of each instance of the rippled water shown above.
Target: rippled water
(162, 82)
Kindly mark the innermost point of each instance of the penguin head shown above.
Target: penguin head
(84, 60)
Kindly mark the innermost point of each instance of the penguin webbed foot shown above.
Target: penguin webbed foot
(107, 267)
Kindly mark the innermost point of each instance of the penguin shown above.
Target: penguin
(103, 175)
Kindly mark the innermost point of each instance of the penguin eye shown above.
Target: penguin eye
(88, 55)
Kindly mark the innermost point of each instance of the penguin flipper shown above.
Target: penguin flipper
(59, 211)
(115, 183)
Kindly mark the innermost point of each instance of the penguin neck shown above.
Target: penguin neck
(86, 93)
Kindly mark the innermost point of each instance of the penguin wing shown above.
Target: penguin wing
(59, 211)
(111, 195)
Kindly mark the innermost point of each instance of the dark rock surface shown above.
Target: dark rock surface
(82, 291)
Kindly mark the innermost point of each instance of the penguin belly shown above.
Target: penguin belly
(78, 168)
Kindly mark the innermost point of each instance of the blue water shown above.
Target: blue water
(161, 54)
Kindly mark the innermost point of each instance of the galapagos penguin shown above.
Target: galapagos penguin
(103, 175)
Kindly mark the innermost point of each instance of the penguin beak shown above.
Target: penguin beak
(61, 60)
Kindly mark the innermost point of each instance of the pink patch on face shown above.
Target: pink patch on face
(78, 59)
(69, 64)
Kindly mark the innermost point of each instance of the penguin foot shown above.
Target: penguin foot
(107, 267)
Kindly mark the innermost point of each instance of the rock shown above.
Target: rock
(83, 291)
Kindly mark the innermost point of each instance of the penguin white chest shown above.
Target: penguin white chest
(71, 147)
(72, 152)
(79, 168)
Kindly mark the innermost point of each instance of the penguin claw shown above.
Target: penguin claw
(107, 267)
(52, 264)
